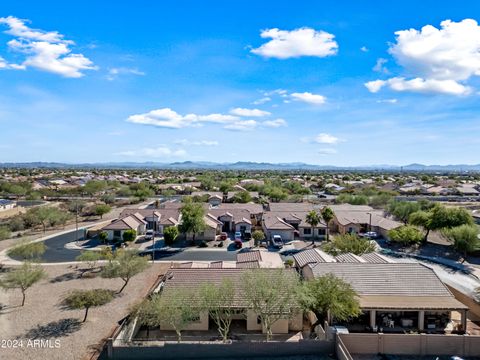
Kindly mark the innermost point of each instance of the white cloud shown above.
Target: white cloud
(168, 118)
(186, 142)
(114, 73)
(299, 42)
(262, 100)
(450, 87)
(364, 49)
(274, 123)
(309, 98)
(249, 112)
(388, 101)
(157, 152)
(47, 51)
(379, 66)
(242, 125)
(324, 138)
(440, 60)
(327, 151)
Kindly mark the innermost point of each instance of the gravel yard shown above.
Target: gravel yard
(43, 316)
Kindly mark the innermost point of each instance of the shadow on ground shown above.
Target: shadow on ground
(54, 329)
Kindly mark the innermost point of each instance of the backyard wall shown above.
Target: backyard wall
(473, 306)
(218, 350)
(412, 344)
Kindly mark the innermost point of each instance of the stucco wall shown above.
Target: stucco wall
(474, 307)
(412, 344)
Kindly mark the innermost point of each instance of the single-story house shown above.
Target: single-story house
(395, 295)
(117, 228)
(315, 255)
(274, 225)
(193, 278)
(360, 219)
(214, 198)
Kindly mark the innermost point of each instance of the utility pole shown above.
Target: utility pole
(370, 222)
(153, 236)
(76, 221)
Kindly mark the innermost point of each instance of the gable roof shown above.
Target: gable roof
(125, 223)
(311, 256)
(273, 222)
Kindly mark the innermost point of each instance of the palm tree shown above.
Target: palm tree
(327, 215)
(313, 218)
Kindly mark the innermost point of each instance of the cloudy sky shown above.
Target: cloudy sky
(278, 81)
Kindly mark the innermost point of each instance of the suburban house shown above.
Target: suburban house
(289, 219)
(395, 297)
(214, 198)
(7, 204)
(117, 228)
(243, 317)
(360, 219)
(232, 219)
(157, 219)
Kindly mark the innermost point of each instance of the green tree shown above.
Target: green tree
(271, 294)
(464, 238)
(28, 251)
(258, 236)
(401, 210)
(242, 197)
(125, 265)
(217, 299)
(192, 218)
(406, 235)
(327, 216)
(45, 216)
(129, 235)
(349, 243)
(86, 299)
(4, 233)
(93, 187)
(329, 297)
(173, 307)
(76, 206)
(102, 209)
(440, 217)
(313, 219)
(170, 235)
(23, 278)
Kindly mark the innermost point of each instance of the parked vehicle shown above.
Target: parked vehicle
(149, 235)
(276, 242)
(371, 235)
(247, 235)
(238, 235)
(223, 236)
(238, 243)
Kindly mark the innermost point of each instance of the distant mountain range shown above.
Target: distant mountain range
(243, 165)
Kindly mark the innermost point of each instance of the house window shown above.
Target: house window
(117, 233)
(321, 232)
(307, 231)
(259, 320)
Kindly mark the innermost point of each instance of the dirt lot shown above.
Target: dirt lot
(43, 316)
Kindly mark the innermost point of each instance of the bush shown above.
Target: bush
(4, 233)
(203, 244)
(220, 244)
(170, 234)
(129, 235)
(16, 224)
(289, 262)
(406, 235)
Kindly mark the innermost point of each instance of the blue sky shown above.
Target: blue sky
(313, 82)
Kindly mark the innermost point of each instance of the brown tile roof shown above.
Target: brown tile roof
(411, 303)
(192, 279)
(311, 256)
(273, 222)
(391, 279)
(126, 223)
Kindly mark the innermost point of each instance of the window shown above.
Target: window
(259, 320)
(307, 231)
(321, 232)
